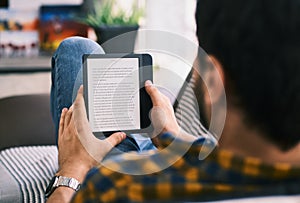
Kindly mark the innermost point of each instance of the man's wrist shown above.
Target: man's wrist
(183, 135)
(78, 173)
(174, 130)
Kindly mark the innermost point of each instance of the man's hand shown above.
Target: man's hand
(162, 114)
(78, 149)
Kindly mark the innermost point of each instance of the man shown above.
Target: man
(254, 47)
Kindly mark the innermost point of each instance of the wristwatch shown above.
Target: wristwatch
(58, 181)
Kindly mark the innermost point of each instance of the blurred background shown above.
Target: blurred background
(31, 30)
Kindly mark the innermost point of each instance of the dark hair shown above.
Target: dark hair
(257, 42)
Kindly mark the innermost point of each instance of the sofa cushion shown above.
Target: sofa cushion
(26, 120)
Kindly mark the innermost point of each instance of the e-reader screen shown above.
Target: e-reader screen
(114, 94)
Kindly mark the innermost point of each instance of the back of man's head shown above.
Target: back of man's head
(257, 43)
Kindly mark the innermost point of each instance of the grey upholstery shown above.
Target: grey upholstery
(26, 120)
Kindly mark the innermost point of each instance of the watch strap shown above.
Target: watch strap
(68, 182)
(58, 181)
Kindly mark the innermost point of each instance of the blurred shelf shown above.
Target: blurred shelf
(25, 64)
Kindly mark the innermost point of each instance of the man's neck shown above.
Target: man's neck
(245, 141)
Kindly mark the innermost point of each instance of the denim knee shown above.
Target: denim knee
(66, 67)
(75, 45)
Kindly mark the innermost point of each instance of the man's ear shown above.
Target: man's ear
(214, 79)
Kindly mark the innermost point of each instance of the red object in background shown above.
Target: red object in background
(58, 23)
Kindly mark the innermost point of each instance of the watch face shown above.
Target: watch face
(50, 188)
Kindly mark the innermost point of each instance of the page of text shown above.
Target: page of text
(113, 94)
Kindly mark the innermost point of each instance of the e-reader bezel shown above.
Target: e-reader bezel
(145, 73)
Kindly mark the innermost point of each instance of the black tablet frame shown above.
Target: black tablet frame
(145, 73)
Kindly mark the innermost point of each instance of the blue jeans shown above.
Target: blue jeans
(67, 78)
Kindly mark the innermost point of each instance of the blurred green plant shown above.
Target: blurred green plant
(107, 13)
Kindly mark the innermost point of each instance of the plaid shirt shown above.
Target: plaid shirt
(221, 175)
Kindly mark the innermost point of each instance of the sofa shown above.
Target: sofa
(26, 120)
(28, 155)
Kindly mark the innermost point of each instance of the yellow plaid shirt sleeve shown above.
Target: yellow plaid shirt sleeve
(221, 175)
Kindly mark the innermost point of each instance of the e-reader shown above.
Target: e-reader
(114, 92)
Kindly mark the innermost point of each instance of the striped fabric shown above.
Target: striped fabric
(31, 167)
(187, 110)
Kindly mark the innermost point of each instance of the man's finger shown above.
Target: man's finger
(115, 139)
(80, 92)
(98, 149)
(68, 116)
(153, 92)
(79, 104)
(62, 122)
